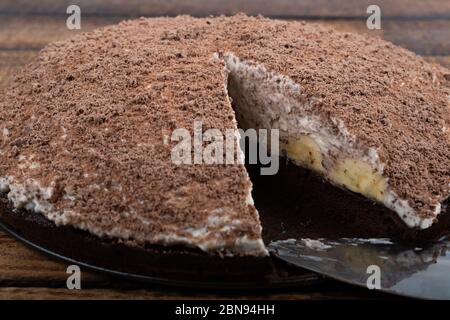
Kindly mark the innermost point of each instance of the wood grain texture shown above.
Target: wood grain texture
(391, 9)
(21, 265)
(11, 61)
(336, 291)
(35, 32)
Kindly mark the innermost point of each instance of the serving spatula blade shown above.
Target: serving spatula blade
(414, 270)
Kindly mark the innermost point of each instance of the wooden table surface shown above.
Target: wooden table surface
(26, 26)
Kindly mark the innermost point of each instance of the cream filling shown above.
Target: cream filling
(31, 195)
(271, 101)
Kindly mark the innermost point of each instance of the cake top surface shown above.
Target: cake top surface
(91, 117)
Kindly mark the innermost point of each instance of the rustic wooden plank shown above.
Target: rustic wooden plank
(280, 8)
(423, 37)
(36, 32)
(339, 292)
(15, 293)
(11, 61)
(20, 265)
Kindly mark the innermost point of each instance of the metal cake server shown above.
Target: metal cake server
(413, 270)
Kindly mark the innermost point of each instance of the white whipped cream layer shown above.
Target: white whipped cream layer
(32, 196)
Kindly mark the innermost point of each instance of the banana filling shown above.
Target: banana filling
(353, 174)
(305, 151)
(359, 177)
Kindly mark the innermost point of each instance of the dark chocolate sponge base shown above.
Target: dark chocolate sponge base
(175, 263)
(297, 203)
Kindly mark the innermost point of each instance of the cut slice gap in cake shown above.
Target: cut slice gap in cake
(265, 100)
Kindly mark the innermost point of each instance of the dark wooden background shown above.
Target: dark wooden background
(27, 25)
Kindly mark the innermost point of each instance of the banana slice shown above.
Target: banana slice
(359, 177)
(305, 151)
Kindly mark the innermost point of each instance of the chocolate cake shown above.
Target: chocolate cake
(86, 127)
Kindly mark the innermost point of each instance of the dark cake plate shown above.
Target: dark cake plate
(292, 205)
(157, 265)
(420, 270)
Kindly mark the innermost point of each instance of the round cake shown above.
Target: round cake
(87, 128)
